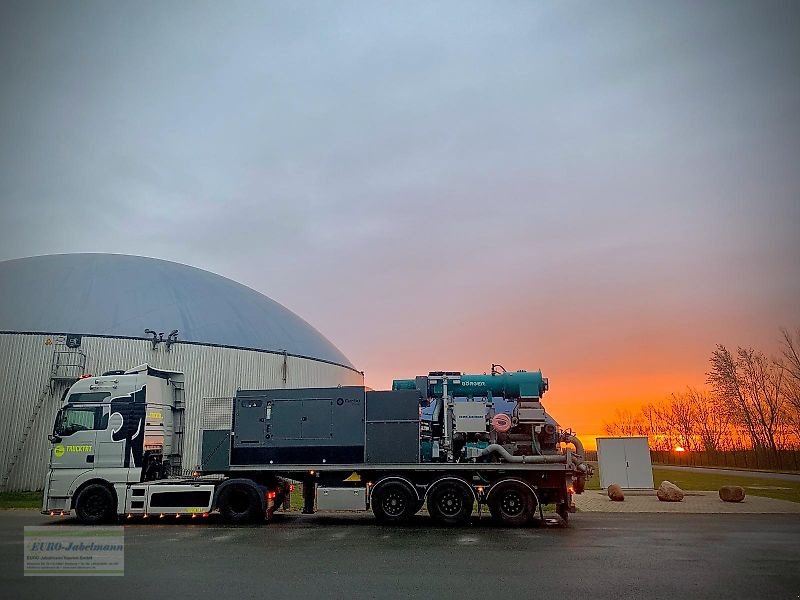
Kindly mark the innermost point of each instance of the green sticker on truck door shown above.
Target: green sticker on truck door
(60, 449)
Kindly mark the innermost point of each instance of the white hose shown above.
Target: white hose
(577, 456)
(508, 457)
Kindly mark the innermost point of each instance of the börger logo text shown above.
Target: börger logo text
(341, 401)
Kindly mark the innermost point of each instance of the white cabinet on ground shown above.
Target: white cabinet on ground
(625, 461)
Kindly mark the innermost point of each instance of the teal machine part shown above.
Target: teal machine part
(512, 386)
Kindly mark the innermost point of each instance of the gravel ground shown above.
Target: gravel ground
(693, 502)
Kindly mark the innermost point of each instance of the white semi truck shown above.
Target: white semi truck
(117, 450)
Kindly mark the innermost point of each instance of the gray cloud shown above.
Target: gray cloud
(394, 169)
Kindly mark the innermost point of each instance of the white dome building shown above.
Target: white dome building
(62, 316)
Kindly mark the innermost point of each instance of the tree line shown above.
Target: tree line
(750, 401)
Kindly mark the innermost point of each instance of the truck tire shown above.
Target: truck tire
(511, 503)
(450, 502)
(239, 504)
(394, 502)
(95, 504)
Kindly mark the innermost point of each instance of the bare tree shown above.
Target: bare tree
(625, 424)
(725, 380)
(712, 421)
(790, 347)
(751, 388)
(683, 420)
(656, 420)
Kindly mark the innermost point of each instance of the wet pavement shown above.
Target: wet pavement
(350, 556)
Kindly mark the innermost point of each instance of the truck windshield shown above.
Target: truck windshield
(73, 419)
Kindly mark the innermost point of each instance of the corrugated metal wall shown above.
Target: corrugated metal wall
(25, 362)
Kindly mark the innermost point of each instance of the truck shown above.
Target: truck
(447, 441)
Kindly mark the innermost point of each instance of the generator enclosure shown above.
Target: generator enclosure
(341, 425)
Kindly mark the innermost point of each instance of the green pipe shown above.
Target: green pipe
(521, 384)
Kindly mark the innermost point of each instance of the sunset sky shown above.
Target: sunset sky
(603, 191)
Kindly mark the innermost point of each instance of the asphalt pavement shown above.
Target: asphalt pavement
(597, 556)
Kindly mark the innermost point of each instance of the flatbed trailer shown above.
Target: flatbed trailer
(117, 445)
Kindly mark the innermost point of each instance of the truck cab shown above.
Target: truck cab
(113, 430)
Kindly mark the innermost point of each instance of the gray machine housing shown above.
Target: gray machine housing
(341, 425)
(392, 427)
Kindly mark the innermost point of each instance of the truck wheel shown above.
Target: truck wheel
(511, 503)
(450, 502)
(239, 504)
(394, 502)
(95, 504)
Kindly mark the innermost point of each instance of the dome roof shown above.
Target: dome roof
(120, 295)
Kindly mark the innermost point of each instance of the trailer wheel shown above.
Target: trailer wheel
(450, 502)
(511, 503)
(95, 504)
(239, 504)
(394, 502)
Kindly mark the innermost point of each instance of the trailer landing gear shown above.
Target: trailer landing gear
(565, 507)
(563, 511)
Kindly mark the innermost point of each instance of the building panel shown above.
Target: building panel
(211, 372)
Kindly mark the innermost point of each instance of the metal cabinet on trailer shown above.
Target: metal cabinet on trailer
(393, 427)
(299, 426)
(625, 461)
